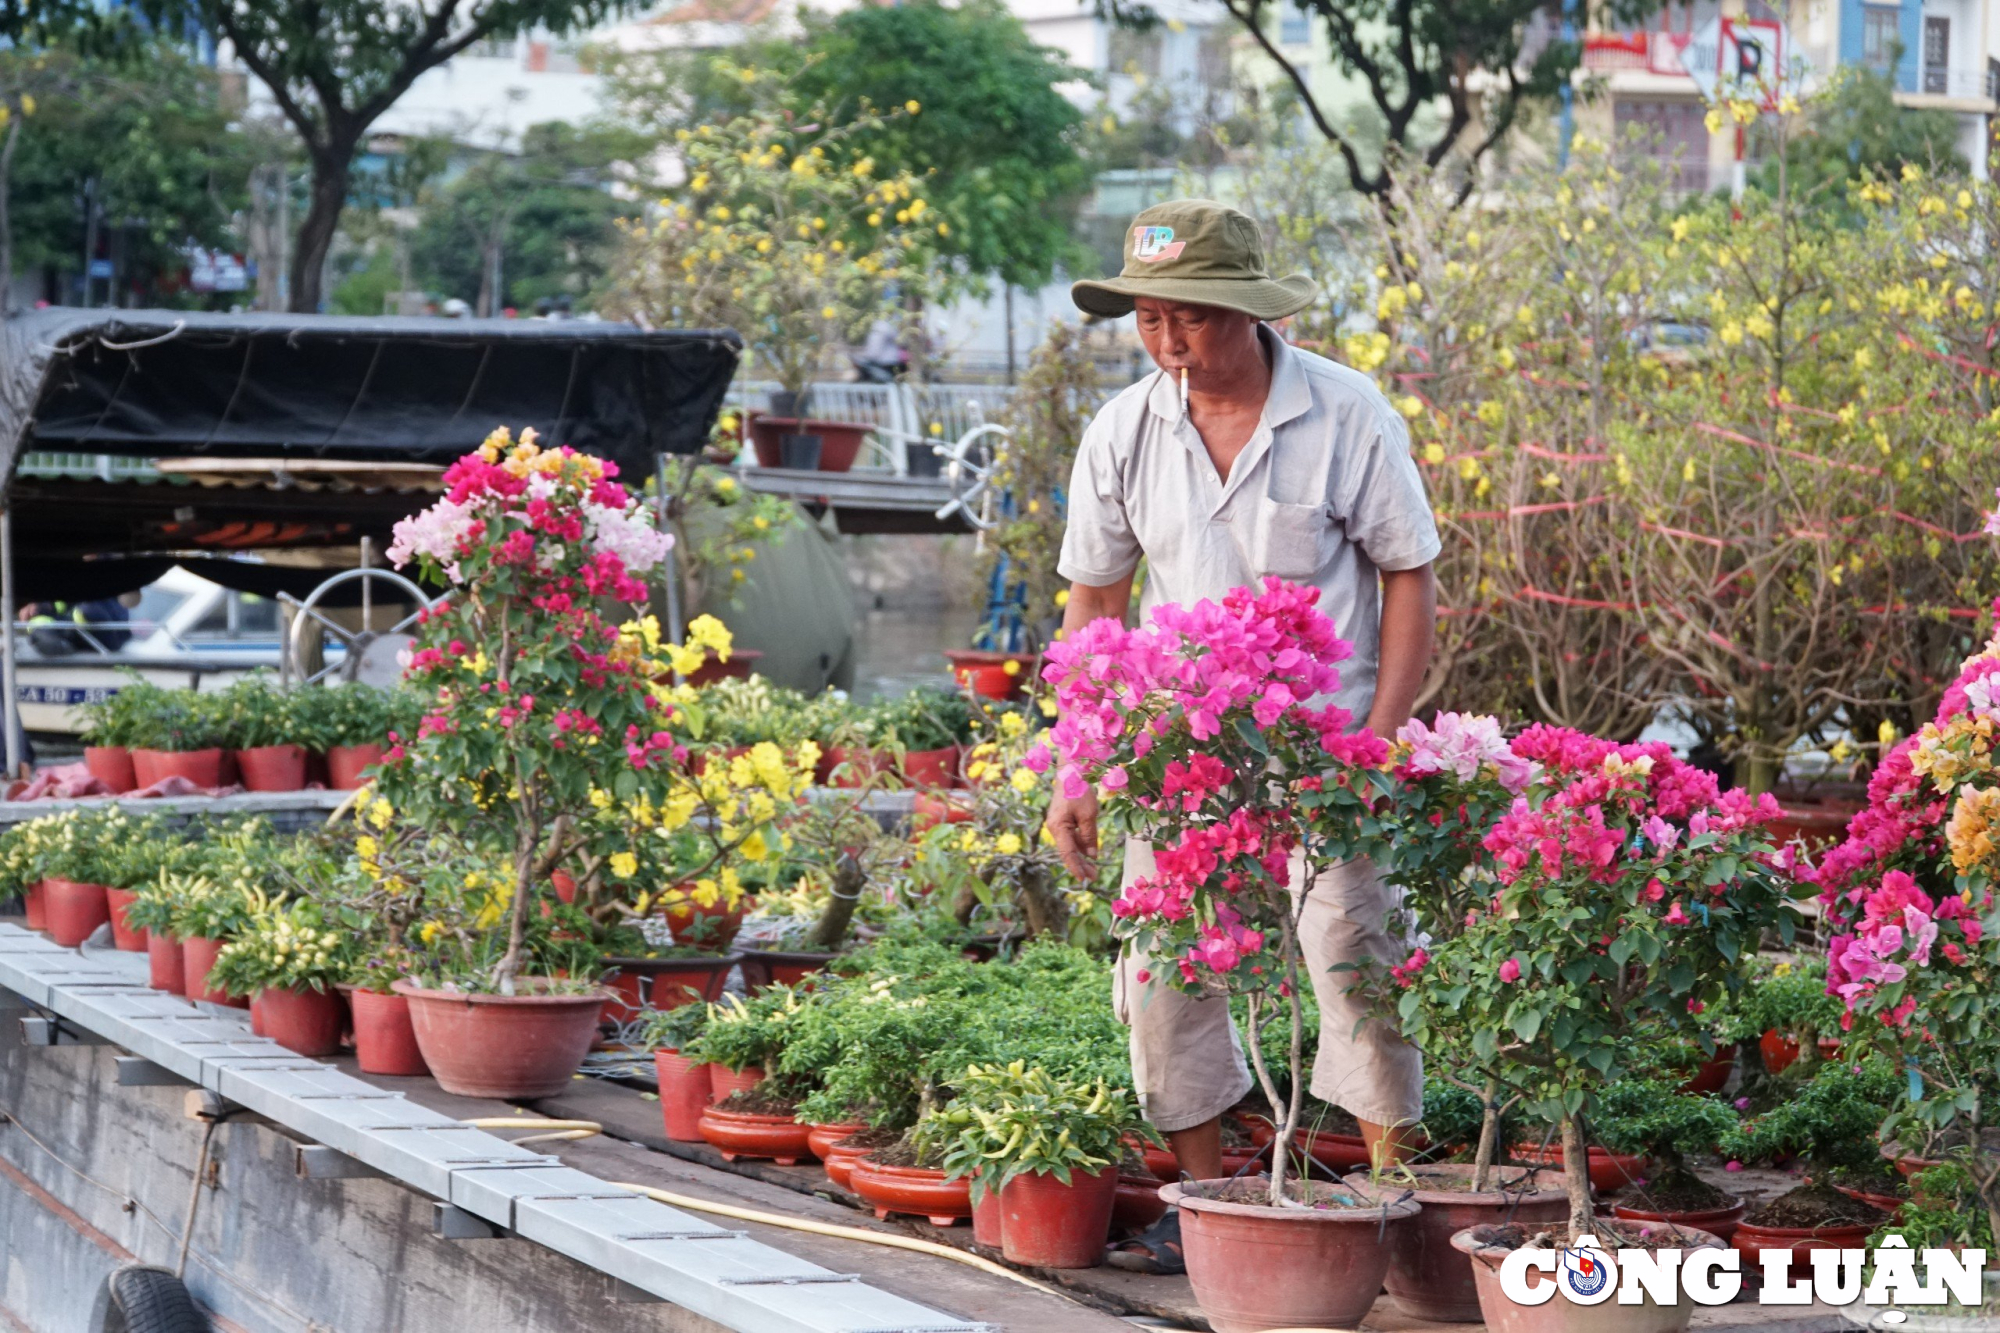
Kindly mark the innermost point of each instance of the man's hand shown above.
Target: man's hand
(1072, 822)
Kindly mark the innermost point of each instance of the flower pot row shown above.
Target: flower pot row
(260, 768)
(841, 766)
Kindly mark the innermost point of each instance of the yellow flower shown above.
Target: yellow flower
(624, 865)
(1012, 666)
(1008, 844)
(1023, 780)
(912, 107)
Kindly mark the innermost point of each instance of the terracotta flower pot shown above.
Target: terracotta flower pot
(1608, 1170)
(723, 1080)
(1048, 1224)
(989, 1226)
(1559, 1314)
(1434, 1281)
(34, 902)
(764, 968)
(1254, 1267)
(385, 1040)
(512, 1047)
(257, 1014)
(1905, 1166)
(304, 1020)
(741, 665)
(197, 956)
(839, 1160)
(1162, 1162)
(697, 927)
(840, 441)
(916, 1190)
(201, 767)
(931, 768)
(1888, 1203)
(1718, 1222)
(1338, 1153)
(1138, 1204)
(131, 939)
(626, 998)
(821, 1137)
(1780, 1049)
(112, 766)
(347, 765)
(986, 673)
(163, 962)
(685, 1093)
(1753, 1241)
(273, 767)
(847, 767)
(75, 910)
(669, 983)
(1814, 823)
(752, 1134)
(1713, 1073)
(929, 809)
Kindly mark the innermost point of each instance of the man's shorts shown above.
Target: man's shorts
(1187, 1062)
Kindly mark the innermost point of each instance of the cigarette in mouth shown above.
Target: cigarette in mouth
(1183, 390)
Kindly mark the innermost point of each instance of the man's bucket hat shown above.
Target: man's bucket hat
(1201, 253)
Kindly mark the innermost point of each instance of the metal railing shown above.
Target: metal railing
(85, 467)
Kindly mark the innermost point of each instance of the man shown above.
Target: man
(1244, 457)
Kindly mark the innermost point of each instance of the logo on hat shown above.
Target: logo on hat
(1155, 245)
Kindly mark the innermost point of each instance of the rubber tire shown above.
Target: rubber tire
(141, 1299)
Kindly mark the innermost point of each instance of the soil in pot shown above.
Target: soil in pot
(839, 1158)
(1488, 1246)
(1255, 1267)
(1679, 1196)
(131, 939)
(1811, 1217)
(385, 1040)
(1430, 1279)
(163, 964)
(303, 1020)
(347, 765)
(273, 767)
(197, 956)
(756, 1124)
(510, 1047)
(112, 766)
(685, 1092)
(74, 910)
(1048, 1224)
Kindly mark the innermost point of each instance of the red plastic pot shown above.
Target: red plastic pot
(821, 1137)
(1754, 1241)
(1713, 1073)
(1048, 1224)
(1780, 1049)
(915, 1190)
(988, 1225)
(669, 983)
(846, 767)
(257, 1014)
(1254, 1267)
(763, 968)
(1718, 1222)
(201, 767)
(839, 1160)
(112, 766)
(197, 956)
(1138, 1204)
(132, 939)
(74, 910)
(1888, 1203)
(510, 1047)
(985, 673)
(930, 809)
(273, 767)
(1558, 1314)
(1608, 1170)
(346, 765)
(931, 768)
(723, 1080)
(163, 962)
(385, 1040)
(1430, 1279)
(304, 1020)
(839, 441)
(684, 1094)
(698, 927)
(34, 902)
(753, 1134)
(1162, 1162)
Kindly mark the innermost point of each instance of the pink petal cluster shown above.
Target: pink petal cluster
(1463, 744)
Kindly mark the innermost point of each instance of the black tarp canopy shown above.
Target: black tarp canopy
(166, 383)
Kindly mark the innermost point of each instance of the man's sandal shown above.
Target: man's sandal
(1156, 1250)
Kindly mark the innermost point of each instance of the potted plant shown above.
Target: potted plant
(1657, 1123)
(755, 1112)
(107, 741)
(129, 861)
(352, 725)
(385, 1040)
(261, 721)
(175, 734)
(287, 958)
(74, 857)
(1196, 725)
(210, 906)
(1793, 1016)
(685, 1088)
(1629, 891)
(152, 911)
(1048, 1148)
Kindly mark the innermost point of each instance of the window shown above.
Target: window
(1993, 80)
(1879, 38)
(1937, 54)
(1295, 28)
(1135, 53)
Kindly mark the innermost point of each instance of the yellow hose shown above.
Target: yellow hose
(583, 1129)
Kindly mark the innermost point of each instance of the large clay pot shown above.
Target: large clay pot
(711, 928)
(931, 768)
(257, 1014)
(131, 939)
(1799, 1242)
(763, 968)
(1429, 1278)
(1254, 1267)
(1048, 1224)
(917, 1191)
(304, 1020)
(75, 910)
(986, 673)
(1718, 1222)
(988, 1225)
(1559, 1314)
(385, 1040)
(821, 1137)
(197, 956)
(929, 809)
(840, 441)
(1814, 823)
(34, 902)
(1712, 1075)
(163, 963)
(511, 1047)
(201, 767)
(1138, 1204)
(844, 766)
(723, 1080)
(669, 983)
(685, 1093)
(1162, 1162)
(273, 767)
(752, 1134)
(346, 765)
(112, 766)
(1608, 1170)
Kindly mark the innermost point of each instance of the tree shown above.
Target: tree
(1854, 128)
(335, 66)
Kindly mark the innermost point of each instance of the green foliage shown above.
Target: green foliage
(673, 1029)
(742, 1035)
(1831, 1121)
(322, 717)
(285, 948)
(921, 719)
(1659, 1121)
(1855, 129)
(1945, 1211)
(1790, 999)
(171, 720)
(1014, 1120)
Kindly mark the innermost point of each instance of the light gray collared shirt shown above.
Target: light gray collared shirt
(1325, 493)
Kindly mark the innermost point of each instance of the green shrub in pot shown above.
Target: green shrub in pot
(1016, 1119)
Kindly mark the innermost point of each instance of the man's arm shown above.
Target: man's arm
(1409, 626)
(1072, 822)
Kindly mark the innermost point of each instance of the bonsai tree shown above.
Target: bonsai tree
(1198, 730)
(1655, 1120)
(1629, 889)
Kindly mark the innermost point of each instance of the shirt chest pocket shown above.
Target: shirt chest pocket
(1291, 541)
